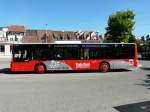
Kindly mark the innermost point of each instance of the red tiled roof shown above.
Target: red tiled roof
(15, 28)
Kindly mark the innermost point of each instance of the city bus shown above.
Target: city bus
(43, 57)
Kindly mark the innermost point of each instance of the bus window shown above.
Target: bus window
(57, 53)
(94, 53)
(84, 53)
(21, 55)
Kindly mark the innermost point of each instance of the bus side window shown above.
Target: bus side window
(94, 54)
(58, 54)
(84, 53)
(21, 55)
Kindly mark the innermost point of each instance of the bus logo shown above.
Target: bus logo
(82, 65)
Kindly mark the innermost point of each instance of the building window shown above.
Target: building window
(68, 37)
(21, 34)
(61, 38)
(11, 49)
(1, 48)
(16, 39)
(11, 39)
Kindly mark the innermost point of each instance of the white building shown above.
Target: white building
(3, 34)
(9, 35)
(5, 51)
(15, 33)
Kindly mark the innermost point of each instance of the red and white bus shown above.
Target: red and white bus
(83, 56)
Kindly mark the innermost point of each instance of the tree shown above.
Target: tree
(148, 38)
(132, 39)
(120, 27)
(143, 39)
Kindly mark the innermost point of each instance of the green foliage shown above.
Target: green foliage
(145, 46)
(120, 27)
(132, 39)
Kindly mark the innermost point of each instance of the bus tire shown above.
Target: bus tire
(104, 67)
(40, 68)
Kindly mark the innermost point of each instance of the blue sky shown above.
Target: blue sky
(72, 15)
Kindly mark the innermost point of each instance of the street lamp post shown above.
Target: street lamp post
(46, 33)
(63, 34)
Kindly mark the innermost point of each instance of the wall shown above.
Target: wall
(7, 52)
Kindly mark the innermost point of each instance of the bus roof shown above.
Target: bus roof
(64, 43)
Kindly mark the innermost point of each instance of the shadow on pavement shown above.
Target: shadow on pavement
(7, 71)
(144, 59)
(145, 68)
(146, 82)
(136, 107)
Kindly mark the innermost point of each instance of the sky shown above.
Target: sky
(72, 15)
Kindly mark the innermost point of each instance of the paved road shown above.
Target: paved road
(73, 92)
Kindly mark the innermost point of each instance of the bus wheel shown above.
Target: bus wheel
(40, 68)
(104, 67)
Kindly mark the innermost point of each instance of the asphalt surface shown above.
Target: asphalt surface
(74, 92)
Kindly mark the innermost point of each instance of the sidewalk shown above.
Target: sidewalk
(5, 59)
(5, 63)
